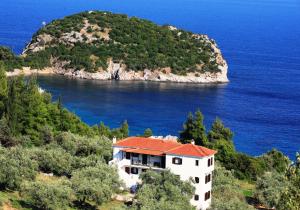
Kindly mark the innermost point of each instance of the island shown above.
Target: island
(106, 46)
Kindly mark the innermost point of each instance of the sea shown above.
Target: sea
(260, 39)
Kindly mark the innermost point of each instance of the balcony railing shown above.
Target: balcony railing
(149, 164)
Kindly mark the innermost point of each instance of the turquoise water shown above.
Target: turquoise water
(259, 39)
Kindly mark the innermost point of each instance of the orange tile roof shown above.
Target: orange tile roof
(191, 150)
(151, 146)
(148, 143)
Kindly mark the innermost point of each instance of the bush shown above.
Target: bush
(50, 196)
(54, 160)
(227, 194)
(85, 146)
(16, 166)
(95, 184)
(269, 189)
(163, 191)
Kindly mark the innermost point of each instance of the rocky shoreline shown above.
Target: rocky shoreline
(117, 72)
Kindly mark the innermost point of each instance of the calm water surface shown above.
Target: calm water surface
(260, 40)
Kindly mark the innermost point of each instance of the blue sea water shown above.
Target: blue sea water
(260, 40)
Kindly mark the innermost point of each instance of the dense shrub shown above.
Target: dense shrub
(95, 184)
(84, 146)
(16, 166)
(163, 191)
(227, 194)
(54, 160)
(269, 189)
(50, 196)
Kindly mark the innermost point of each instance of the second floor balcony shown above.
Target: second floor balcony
(140, 162)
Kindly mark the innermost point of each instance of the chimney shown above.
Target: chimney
(114, 140)
(193, 141)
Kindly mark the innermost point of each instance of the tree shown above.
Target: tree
(96, 184)
(290, 198)
(50, 196)
(276, 160)
(46, 134)
(34, 113)
(269, 188)
(163, 191)
(220, 139)
(14, 104)
(148, 132)
(219, 132)
(5, 134)
(124, 129)
(16, 166)
(53, 160)
(104, 130)
(3, 90)
(226, 192)
(194, 129)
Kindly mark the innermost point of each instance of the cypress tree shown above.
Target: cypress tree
(3, 90)
(194, 129)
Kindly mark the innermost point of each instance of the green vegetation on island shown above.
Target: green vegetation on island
(89, 40)
(51, 160)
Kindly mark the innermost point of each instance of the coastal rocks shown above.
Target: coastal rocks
(39, 44)
(27, 71)
(147, 75)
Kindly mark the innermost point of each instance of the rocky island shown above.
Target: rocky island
(104, 46)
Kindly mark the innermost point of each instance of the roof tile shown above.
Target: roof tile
(159, 146)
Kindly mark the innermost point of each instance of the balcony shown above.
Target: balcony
(152, 164)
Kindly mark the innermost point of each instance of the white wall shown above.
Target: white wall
(187, 170)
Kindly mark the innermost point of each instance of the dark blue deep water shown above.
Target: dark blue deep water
(259, 38)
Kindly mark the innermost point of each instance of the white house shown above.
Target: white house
(134, 155)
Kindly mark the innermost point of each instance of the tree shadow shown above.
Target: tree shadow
(26, 205)
(84, 206)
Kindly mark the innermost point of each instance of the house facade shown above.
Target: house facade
(134, 155)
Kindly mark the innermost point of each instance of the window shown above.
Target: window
(127, 155)
(134, 170)
(197, 179)
(208, 162)
(197, 162)
(207, 196)
(196, 197)
(127, 170)
(177, 161)
(207, 178)
(135, 155)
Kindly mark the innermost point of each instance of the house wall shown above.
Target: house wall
(188, 170)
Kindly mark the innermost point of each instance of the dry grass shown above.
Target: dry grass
(49, 179)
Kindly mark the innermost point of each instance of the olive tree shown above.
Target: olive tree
(50, 196)
(226, 192)
(16, 166)
(95, 184)
(269, 188)
(163, 191)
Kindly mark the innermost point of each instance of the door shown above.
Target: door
(144, 161)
